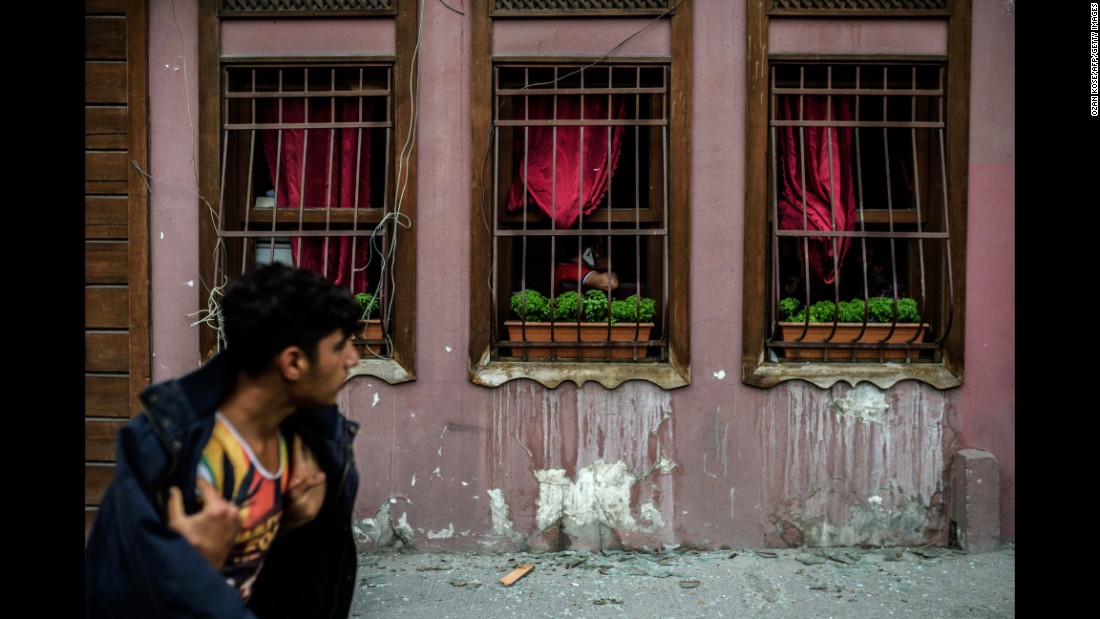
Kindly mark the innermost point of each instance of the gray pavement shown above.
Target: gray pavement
(806, 583)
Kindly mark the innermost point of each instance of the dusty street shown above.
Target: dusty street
(808, 583)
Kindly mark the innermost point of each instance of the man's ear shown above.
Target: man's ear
(292, 363)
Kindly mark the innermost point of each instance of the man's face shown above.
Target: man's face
(328, 370)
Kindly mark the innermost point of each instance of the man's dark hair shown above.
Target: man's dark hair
(274, 306)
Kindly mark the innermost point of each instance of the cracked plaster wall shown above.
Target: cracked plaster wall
(855, 465)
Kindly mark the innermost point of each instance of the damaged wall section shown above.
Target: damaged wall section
(854, 466)
(584, 467)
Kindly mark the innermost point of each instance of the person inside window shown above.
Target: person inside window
(589, 266)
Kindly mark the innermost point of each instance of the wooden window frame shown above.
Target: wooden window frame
(757, 370)
(484, 370)
(400, 366)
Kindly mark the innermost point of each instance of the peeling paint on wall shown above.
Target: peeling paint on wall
(380, 531)
(864, 402)
(403, 531)
(664, 465)
(839, 482)
(600, 496)
(498, 509)
(443, 533)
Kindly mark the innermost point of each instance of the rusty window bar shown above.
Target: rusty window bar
(892, 234)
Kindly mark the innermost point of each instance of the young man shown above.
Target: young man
(233, 492)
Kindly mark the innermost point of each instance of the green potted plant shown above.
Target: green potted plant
(571, 317)
(371, 327)
(878, 320)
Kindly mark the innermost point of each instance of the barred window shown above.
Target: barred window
(307, 178)
(579, 161)
(860, 266)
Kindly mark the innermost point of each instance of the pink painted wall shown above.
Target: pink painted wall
(858, 36)
(173, 180)
(987, 402)
(712, 464)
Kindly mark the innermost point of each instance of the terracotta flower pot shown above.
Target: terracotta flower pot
(848, 332)
(589, 332)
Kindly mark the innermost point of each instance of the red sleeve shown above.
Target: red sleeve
(569, 272)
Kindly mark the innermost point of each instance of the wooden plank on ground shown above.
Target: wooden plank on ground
(107, 396)
(106, 308)
(106, 351)
(105, 128)
(99, 438)
(511, 577)
(105, 262)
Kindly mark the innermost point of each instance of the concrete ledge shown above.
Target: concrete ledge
(975, 507)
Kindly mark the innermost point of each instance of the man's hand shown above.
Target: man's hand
(212, 529)
(306, 491)
(602, 281)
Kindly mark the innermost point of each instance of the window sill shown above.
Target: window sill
(825, 375)
(388, 370)
(551, 374)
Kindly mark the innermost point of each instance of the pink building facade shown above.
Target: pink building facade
(446, 463)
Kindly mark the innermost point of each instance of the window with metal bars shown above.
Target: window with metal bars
(860, 266)
(580, 212)
(307, 178)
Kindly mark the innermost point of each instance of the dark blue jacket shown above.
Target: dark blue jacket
(136, 566)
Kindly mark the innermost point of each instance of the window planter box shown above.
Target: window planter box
(848, 332)
(369, 336)
(589, 332)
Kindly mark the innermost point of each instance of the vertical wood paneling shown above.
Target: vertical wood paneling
(105, 263)
(99, 439)
(105, 128)
(105, 38)
(480, 104)
(106, 351)
(138, 197)
(106, 308)
(96, 479)
(679, 305)
(116, 208)
(105, 83)
(105, 217)
(98, 7)
(209, 139)
(106, 396)
(756, 141)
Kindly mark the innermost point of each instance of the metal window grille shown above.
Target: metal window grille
(628, 223)
(580, 8)
(937, 7)
(251, 8)
(306, 176)
(897, 233)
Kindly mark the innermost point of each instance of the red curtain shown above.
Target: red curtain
(334, 160)
(824, 196)
(552, 164)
